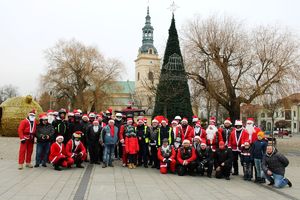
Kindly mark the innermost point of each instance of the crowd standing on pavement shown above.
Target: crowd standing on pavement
(67, 139)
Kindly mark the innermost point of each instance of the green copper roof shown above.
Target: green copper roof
(122, 87)
(147, 41)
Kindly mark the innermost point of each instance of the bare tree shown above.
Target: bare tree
(242, 64)
(8, 91)
(78, 73)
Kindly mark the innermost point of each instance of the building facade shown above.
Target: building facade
(147, 69)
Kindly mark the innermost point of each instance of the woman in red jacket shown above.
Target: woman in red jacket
(132, 148)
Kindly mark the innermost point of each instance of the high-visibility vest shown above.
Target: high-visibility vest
(169, 139)
(145, 131)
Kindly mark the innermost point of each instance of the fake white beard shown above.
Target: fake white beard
(197, 128)
(31, 118)
(95, 128)
(77, 143)
(50, 119)
(210, 132)
(250, 129)
(164, 148)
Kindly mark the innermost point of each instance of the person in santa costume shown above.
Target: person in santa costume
(93, 136)
(195, 119)
(153, 142)
(128, 130)
(213, 136)
(223, 161)
(44, 133)
(186, 158)
(131, 149)
(205, 161)
(75, 150)
(58, 156)
(50, 115)
(236, 141)
(164, 131)
(177, 134)
(187, 130)
(226, 130)
(26, 131)
(109, 138)
(166, 155)
(252, 130)
(199, 131)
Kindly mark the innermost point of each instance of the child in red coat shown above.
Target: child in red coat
(132, 148)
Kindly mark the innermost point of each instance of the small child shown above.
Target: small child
(132, 148)
(246, 161)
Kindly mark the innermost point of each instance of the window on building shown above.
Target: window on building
(282, 113)
(276, 114)
(150, 51)
(150, 76)
(294, 113)
(288, 114)
(295, 126)
(138, 76)
(263, 115)
(269, 114)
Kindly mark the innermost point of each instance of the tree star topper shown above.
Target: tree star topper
(173, 7)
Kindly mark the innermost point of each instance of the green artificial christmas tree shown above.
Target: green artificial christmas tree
(173, 94)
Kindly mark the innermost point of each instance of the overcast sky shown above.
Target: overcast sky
(114, 26)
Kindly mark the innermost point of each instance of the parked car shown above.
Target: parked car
(281, 132)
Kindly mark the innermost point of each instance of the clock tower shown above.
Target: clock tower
(147, 69)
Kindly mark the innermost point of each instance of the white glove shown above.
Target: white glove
(164, 160)
(185, 162)
(122, 141)
(170, 159)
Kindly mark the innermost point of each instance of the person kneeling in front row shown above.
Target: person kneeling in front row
(166, 155)
(75, 149)
(223, 161)
(186, 157)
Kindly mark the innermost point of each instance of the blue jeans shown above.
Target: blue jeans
(108, 153)
(42, 151)
(279, 181)
(258, 168)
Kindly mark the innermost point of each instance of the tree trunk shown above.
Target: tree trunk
(234, 112)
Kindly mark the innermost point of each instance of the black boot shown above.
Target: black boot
(57, 168)
(79, 165)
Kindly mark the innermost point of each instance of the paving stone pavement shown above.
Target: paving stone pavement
(122, 183)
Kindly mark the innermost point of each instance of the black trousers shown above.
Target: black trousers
(223, 171)
(153, 157)
(94, 151)
(143, 154)
(248, 170)
(132, 158)
(100, 153)
(235, 164)
(183, 169)
(201, 167)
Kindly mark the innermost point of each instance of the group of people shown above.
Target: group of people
(66, 138)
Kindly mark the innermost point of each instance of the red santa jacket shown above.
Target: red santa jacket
(190, 150)
(121, 133)
(131, 145)
(236, 143)
(25, 130)
(79, 148)
(56, 152)
(161, 157)
(188, 132)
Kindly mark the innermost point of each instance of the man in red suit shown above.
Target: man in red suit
(252, 130)
(213, 136)
(199, 131)
(177, 134)
(235, 142)
(75, 150)
(26, 133)
(166, 154)
(58, 154)
(187, 130)
(186, 157)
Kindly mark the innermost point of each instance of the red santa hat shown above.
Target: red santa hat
(85, 117)
(111, 121)
(92, 115)
(197, 137)
(203, 142)
(195, 118)
(227, 120)
(145, 119)
(163, 121)
(247, 142)
(198, 123)
(99, 117)
(32, 112)
(108, 111)
(70, 114)
(174, 122)
(212, 119)
(77, 134)
(154, 121)
(79, 111)
(59, 137)
(55, 113)
(95, 122)
(177, 117)
(129, 120)
(250, 121)
(184, 120)
(238, 123)
(43, 116)
(50, 112)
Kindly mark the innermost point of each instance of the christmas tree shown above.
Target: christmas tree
(173, 95)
